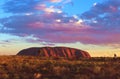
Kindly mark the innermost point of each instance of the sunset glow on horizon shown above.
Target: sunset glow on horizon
(90, 25)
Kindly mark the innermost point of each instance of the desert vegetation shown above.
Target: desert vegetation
(30, 67)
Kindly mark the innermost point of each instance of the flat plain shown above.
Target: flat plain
(31, 67)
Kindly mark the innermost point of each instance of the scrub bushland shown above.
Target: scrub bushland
(30, 67)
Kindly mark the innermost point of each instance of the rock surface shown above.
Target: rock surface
(55, 52)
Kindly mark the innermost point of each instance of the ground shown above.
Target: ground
(29, 67)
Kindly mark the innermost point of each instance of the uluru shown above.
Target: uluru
(54, 52)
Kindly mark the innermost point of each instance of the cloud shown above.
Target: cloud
(45, 30)
(19, 6)
(67, 1)
(49, 24)
(26, 6)
(104, 18)
(52, 9)
(44, 27)
(55, 1)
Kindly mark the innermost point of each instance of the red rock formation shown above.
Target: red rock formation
(55, 52)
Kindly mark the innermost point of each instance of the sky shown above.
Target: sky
(90, 25)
